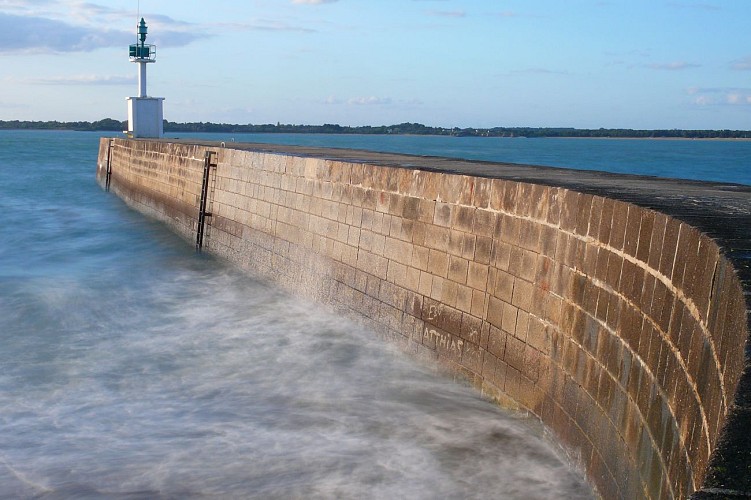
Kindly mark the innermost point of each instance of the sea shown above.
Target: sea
(133, 368)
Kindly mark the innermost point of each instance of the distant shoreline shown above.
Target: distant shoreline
(730, 139)
(111, 125)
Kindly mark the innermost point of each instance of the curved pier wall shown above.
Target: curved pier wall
(621, 328)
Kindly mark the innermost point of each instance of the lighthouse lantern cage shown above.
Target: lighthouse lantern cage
(142, 51)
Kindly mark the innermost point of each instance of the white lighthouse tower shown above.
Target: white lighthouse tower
(145, 114)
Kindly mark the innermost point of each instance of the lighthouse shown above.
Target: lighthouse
(145, 114)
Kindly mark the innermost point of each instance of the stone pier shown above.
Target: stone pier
(614, 308)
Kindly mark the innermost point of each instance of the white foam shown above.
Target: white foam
(192, 380)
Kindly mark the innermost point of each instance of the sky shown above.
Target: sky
(645, 64)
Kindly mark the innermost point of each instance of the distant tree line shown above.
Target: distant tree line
(108, 124)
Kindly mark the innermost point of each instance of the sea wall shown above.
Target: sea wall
(622, 328)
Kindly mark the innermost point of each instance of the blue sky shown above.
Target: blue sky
(483, 63)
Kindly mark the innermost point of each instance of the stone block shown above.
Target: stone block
(443, 214)
(424, 185)
(397, 273)
(472, 357)
(398, 250)
(669, 247)
(436, 291)
(438, 263)
(477, 277)
(615, 265)
(591, 253)
(528, 266)
(504, 286)
(554, 201)
(479, 303)
(618, 225)
(584, 214)
(462, 219)
(569, 210)
(481, 192)
(595, 217)
(538, 336)
(509, 318)
(538, 301)
(485, 222)
(548, 241)
(510, 194)
(411, 208)
(457, 269)
(380, 224)
(395, 204)
(426, 283)
(463, 298)
(509, 227)
(450, 188)
(427, 210)
(483, 249)
(471, 329)
(701, 285)
(437, 238)
(687, 256)
(503, 255)
(419, 233)
(522, 294)
(564, 255)
(529, 235)
(522, 325)
(449, 293)
(497, 342)
(633, 224)
(524, 200)
(497, 194)
(539, 200)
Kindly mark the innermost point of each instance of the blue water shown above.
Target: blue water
(131, 367)
(708, 160)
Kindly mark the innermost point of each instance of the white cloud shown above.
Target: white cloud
(369, 101)
(48, 26)
(267, 25)
(672, 66)
(693, 5)
(508, 14)
(539, 71)
(312, 2)
(38, 34)
(704, 100)
(373, 101)
(715, 96)
(447, 13)
(734, 98)
(85, 80)
(743, 64)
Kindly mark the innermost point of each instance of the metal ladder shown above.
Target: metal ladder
(109, 165)
(209, 164)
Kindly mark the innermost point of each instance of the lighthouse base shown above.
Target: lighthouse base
(145, 117)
